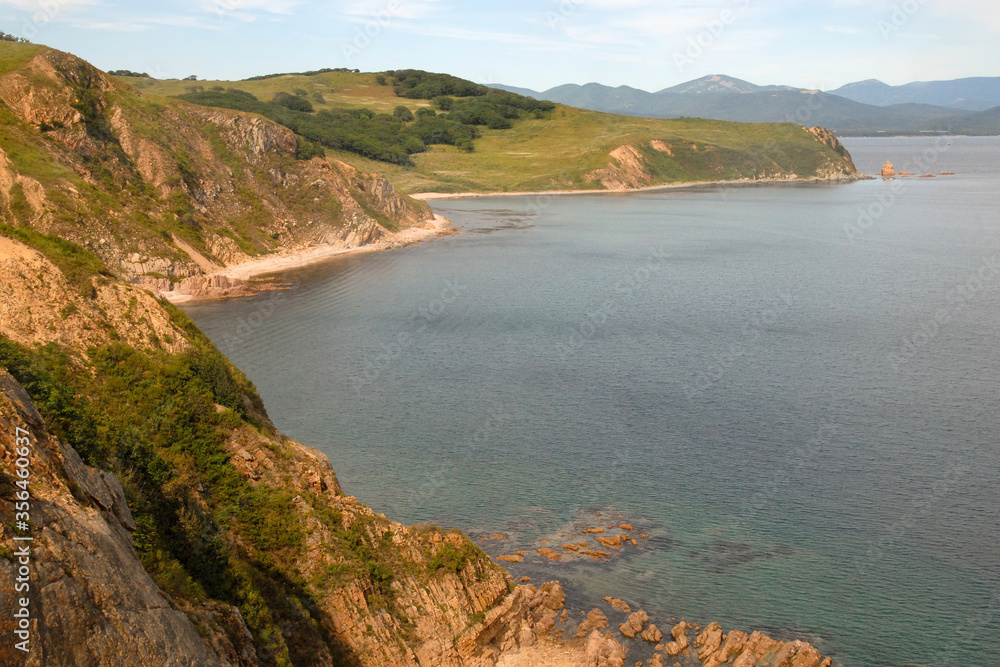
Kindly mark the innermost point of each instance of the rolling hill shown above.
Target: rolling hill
(559, 149)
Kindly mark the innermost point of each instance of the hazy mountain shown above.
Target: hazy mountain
(727, 98)
(718, 83)
(972, 94)
(982, 123)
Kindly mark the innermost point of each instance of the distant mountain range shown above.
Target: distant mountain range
(966, 106)
(974, 94)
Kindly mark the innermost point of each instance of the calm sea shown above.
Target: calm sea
(793, 390)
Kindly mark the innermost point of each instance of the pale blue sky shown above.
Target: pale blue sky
(531, 43)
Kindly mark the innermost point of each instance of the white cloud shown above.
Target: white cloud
(46, 7)
(843, 29)
(403, 9)
(226, 7)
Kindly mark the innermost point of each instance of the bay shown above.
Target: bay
(791, 389)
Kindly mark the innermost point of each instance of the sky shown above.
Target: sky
(537, 44)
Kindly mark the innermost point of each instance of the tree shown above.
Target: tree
(293, 102)
(403, 114)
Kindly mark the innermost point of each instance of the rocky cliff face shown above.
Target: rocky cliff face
(91, 601)
(129, 574)
(156, 187)
(794, 157)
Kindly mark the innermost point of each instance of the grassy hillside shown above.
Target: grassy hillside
(565, 149)
(160, 189)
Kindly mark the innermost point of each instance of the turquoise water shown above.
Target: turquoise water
(792, 389)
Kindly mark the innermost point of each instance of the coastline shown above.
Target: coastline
(435, 196)
(230, 281)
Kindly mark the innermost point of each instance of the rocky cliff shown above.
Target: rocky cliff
(170, 523)
(791, 154)
(223, 542)
(161, 190)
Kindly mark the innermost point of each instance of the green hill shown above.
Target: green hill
(542, 149)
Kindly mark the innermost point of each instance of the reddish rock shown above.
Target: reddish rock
(596, 620)
(613, 542)
(604, 651)
(735, 642)
(888, 170)
(709, 641)
(633, 625)
(680, 642)
(652, 634)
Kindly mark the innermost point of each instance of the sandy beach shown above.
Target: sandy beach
(289, 260)
(225, 282)
(279, 263)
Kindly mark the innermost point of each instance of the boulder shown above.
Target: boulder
(680, 642)
(709, 641)
(652, 634)
(733, 646)
(596, 620)
(888, 170)
(603, 651)
(633, 625)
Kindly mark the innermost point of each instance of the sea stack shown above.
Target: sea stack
(888, 170)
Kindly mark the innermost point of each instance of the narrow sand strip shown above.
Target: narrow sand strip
(283, 261)
(279, 263)
(431, 196)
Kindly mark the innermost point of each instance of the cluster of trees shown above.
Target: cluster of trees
(467, 102)
(5, 37)
(462, 108)
(126, 72)
(420, 85)
(389, 138)
(309, 73)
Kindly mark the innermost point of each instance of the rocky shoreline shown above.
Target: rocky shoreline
(595, 642)
(605, 636)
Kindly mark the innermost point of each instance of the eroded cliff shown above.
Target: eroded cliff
(162, 190)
